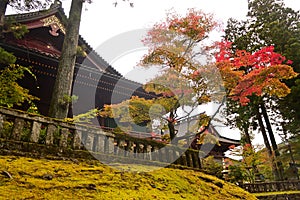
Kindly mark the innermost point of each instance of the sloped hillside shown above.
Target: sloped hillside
(29, 178)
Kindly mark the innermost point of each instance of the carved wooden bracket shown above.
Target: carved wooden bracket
(55, 25)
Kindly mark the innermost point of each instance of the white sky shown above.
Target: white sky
(101, 20)
(111, 21)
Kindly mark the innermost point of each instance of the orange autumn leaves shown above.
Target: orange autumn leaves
(259, 73)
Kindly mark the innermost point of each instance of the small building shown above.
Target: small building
(210, 142)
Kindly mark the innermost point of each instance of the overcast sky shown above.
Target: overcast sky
(101, 20)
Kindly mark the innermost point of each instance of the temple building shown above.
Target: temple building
(95, 82)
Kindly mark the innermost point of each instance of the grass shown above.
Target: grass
(72, 179)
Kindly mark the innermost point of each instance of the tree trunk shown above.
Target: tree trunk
(273, 141)
(247, 136)
(171, 125)
(267, 143)
(60, 101)
(264, 134)
(3, 6)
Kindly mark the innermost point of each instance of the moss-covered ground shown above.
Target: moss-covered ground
(30, 178)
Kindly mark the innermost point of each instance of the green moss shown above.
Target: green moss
(92, 180)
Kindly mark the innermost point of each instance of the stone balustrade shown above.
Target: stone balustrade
(272, 186)
(25, 127)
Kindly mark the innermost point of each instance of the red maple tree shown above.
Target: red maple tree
(259, 73)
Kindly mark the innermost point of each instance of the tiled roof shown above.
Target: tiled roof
(30, 16)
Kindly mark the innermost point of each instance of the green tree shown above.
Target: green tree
(212, 167)
(256, 78)
(175, 46)
(270, 23)
(11, 93)
(129, 113)
(255, 164)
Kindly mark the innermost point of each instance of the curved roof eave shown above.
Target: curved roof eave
(56, 9)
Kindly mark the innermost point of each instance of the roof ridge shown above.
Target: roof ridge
(54, 7)
(91, 49)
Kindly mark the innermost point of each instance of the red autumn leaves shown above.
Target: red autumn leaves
(195, 25)
(259, 73)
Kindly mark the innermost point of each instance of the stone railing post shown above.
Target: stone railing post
(147, 152)
(163, 154)
(110, 145)
(50, 134)
(138, 150)
(129, 148)
(1, 125)
(176, 154)
(100, 143)
(18, 129)
(77, 140)
(64, 138)
(189, 158)
(35, 131)
(196, 160)
(120, 148)
(155, 153)
(183, 160)
(89, 141)
(169, 154)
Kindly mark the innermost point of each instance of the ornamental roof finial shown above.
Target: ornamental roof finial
(56, 3)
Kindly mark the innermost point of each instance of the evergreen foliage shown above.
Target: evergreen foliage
(11, 93)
